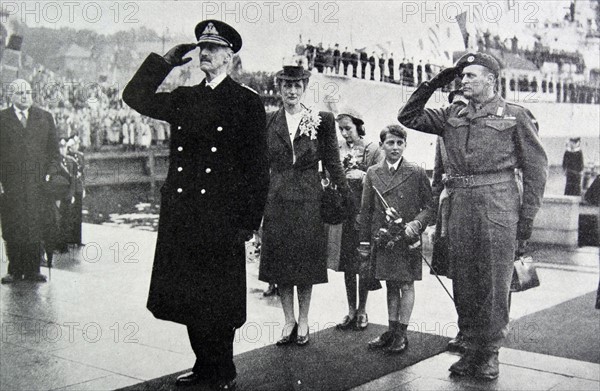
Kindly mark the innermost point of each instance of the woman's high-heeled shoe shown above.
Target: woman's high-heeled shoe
(302, 340)
(288, 339)
(347, 322)
(362, 321)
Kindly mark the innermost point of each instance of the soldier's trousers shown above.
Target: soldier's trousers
(482, 230)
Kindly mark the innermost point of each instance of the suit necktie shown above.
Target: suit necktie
(392, 170)
(23, 119)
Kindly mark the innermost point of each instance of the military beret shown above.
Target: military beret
(482, 59)
(218, 33)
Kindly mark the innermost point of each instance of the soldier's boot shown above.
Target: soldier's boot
(457, 344)
(487, 366)
(466, 365)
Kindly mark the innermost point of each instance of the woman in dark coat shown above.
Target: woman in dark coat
(294, 239)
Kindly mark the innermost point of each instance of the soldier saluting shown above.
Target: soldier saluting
(212, 200)
(485, 142)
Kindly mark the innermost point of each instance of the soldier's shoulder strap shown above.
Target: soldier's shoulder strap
(518, 108)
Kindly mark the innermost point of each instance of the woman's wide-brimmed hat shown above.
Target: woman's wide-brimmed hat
(350, 112)
(292, 72)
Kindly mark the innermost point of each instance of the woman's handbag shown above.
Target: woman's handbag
(335, 206)
(524, 275)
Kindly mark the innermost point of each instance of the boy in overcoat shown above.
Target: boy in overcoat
(406, 188)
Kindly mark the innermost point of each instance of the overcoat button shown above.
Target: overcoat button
(208, 170)
(220, 128)
(180, 190)
(213, 149)
(179, 127)
(179, 169)
(180, 149)
(202, 191)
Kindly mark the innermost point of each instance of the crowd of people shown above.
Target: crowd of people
(95, 113)
(358, 63)
(381, 66)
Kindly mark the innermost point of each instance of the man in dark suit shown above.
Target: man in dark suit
(391, 67)
(364, 58)
(310, 54)
(345, 60)
(372, 65)
(419, 73)
(28, 151)
(212, 200)
(410, 72)
(354, 62)
(336, 59)
(402, 71)
(382, 67)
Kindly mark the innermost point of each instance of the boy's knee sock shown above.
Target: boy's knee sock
(393, 326)
(401, 330)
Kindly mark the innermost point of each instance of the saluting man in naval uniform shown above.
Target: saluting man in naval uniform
(212, 200)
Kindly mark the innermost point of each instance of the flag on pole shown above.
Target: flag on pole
(461, 19)
(434, 40)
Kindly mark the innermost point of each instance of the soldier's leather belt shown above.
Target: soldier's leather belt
(479, 179)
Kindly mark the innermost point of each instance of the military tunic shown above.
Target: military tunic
(487, 142)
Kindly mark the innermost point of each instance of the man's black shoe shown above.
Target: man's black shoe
(382, 341)
(188, 379)
(225, 385)
(457, 344)
(487, 366)
(466, 365)
(398, 345)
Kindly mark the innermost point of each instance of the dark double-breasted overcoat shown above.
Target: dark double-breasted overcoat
(27, 155)
(216, 185)
(294, 235)
(408, 191)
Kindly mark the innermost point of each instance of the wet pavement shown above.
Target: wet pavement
(88, 328)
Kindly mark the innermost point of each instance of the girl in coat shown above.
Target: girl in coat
(294, 239)
(357, 155)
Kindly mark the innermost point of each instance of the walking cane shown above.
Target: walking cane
(438, 278)
(49, 265)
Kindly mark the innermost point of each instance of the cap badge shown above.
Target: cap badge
(470, 58)
(210, 30)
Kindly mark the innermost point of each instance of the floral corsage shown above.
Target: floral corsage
(309, 123)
